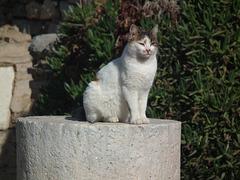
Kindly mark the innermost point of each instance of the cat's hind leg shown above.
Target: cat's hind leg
(92, 118)
(92, 102)
(92, 113)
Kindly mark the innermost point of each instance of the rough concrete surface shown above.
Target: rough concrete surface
(58, 147)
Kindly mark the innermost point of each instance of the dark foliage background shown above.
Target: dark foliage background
(198, 77)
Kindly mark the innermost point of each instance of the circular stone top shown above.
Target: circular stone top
(71, 120)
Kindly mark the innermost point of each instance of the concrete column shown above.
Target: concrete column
(61, 148)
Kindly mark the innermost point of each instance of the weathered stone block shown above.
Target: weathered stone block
(23, 76)
(48, 10)
(23, 67)
(63, 148)
(6, 86)
(21, 104)
(8, 51)
(43, 45)
(13, 35)
(14, 45)
(21, 88)
(33, 10)
(45, 11)
(39, 74)
(37, 84)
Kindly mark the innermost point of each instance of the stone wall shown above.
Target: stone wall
(34, 16)
(40, 47)
(21, 75)
(20, 80)
(15, 60)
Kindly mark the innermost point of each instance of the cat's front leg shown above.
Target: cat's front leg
(131, 97)
(143, 97)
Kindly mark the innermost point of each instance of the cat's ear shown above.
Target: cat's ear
(154, 31)
(134, 30)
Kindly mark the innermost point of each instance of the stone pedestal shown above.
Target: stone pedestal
(57, 147)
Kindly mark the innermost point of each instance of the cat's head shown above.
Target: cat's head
(143, 43)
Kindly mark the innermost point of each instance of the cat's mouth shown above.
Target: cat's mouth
(147, 52)
(144, 56)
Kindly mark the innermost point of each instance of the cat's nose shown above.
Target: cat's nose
(148, 50)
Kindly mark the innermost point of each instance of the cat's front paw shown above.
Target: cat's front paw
(136, 121)
(113, 120)
(145, 121)
(140, 121)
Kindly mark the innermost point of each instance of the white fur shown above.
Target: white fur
(121, 91)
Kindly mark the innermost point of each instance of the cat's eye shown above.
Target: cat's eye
(142, 44)
(153, 44)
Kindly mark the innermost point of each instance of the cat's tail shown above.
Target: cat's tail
(79, 113)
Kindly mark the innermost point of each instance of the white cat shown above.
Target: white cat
(120, 89)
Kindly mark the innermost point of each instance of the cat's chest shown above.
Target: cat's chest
(145, 69)
(139, 74)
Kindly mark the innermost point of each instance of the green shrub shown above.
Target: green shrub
(198, 83)
(198, 77)
(87, 44)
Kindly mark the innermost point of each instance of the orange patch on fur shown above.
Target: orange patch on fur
(131, 42)
(96, 80)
